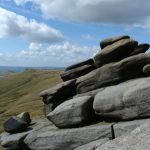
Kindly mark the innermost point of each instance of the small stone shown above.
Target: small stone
(14, 125)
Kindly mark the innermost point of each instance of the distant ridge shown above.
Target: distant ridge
(7, 69)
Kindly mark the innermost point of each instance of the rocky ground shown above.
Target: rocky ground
(102, 104)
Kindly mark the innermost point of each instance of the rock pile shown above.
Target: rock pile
(114, 86)
(116, 75)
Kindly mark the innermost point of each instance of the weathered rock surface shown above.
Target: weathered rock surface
(141, 48)
(125, 127)
(113, 73)
(73, 112)
(90, 93)
(92, 145)
(15, 124)
(146, 70)
(115, 52)
(112, 40)
(14, 141)
(127, 100)
(25, 116)
(77, 72)
(59, 93)
(66, 139)
(138, 139)
(44, 135)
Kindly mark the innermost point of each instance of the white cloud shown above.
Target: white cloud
(127, 12)
(54, 55)
(13, 25)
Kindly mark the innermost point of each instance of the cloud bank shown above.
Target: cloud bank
(14, 25)
(95, 11)
(53, 55)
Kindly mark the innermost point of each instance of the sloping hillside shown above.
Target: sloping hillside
(20, 92)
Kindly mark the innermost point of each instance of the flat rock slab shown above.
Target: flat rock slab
(79, 64)
(59, 93)
(114, 73)
(77, 72)
(112, 40)
(128, 100)
(66, 139)
(74, 112)
(115, 52)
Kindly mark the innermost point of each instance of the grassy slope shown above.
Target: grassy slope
(20, 92)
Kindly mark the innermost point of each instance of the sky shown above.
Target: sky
(58, 33)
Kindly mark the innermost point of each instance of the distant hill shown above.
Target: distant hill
(20, 91)
(9, 69)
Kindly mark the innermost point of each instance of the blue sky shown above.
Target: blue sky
(62, 32)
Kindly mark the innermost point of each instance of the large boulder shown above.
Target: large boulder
(25, 116)
(126, 101)
(141, 48)
(114, 73)
(66, 139)
(80, 64)
(59, 93)
(112, 40)
(115, 52)
(14, 125)
(77, 72)
(73, 112)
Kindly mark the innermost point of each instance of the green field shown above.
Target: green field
(20, 92)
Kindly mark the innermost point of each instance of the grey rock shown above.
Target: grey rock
(90, 93)
(47, 108)
(112, 40)
(59, 93)
(146, 70)
(141, 48)
(115, 52)
(114, 73)
(128, 100)
(126, 127)
(79, 64)
(16, 141)
(15, 124)
(73, 112)
(66, 139)
(77, 72)
(25, 116)
(138, 139)
(92, 145)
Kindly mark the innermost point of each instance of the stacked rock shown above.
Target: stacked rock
(113, 84)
